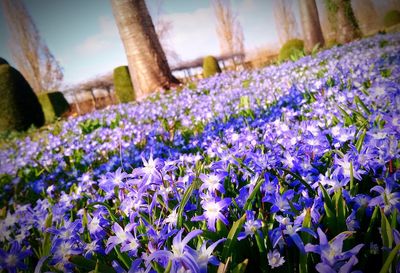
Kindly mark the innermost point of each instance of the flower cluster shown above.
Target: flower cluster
(292, 167)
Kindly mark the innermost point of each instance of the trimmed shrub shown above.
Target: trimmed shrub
(19, 106)
(54, 105)
(289, 48)
(210, 66)
(391, 18)
(123, 85)
(3, 61)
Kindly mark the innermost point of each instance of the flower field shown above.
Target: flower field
(289, 168)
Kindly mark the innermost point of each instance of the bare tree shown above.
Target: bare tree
(312, 32)
(285, 20)
(164, 27)
(229, 29)
(148, 65)
(29, 51)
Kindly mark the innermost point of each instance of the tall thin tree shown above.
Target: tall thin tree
(285, 20)
(229, 29)
(148, 65)
(312, 32)
(29, 51)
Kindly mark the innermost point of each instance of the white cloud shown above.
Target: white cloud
(99, 41)
(193, 34)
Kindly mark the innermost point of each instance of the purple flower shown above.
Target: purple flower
(180, 256)
(62, 250)
(204, 255)
(331, 252)
(92, 248)
(251, 225)
(281, 202)
(345, 167)
(275, 259)
(211, 182)
(212, 212)
(13, 259)
(291, 232)
(150, 171)
(112, 180)
(124, 237)
(95, 226)
(345, 268)
(387, 198)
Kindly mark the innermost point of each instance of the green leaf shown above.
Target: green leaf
(393, 215)
(86, 265)
(241, 268)
(362, 105)
(315, 49)
(352, 187)
(374, 219)
(360, 140)
(262, 250)
(386, 231)
(232, 235)
(223, 267)
(46, 244)
(386, 266)
(327, 198)
(185, 199)
(346, 117)
(253, 194)
(306, 238)
(341, 211)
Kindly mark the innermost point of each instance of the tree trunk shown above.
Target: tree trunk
(347, 26)
(147, 63)
(312, 32)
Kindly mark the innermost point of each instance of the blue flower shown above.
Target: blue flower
(13, 259)
(211, 182)
(275, 259)
(251, 225)
(180, 255)
(387, 199)
(331, 252)
(213, 212)
(124, 237)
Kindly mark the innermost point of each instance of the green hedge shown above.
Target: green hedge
(19, 106)
(54, 105)
(210, 66)
(123, 85)
(290, 48)
(3, 61)
(391, 18)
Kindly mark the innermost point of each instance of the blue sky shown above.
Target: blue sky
(83, 36)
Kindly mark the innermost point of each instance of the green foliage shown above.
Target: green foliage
(19, 106)
(54, 105)
(123, 85)
(210, 66)
(291, 48)
(391, 18)
(3, 61)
